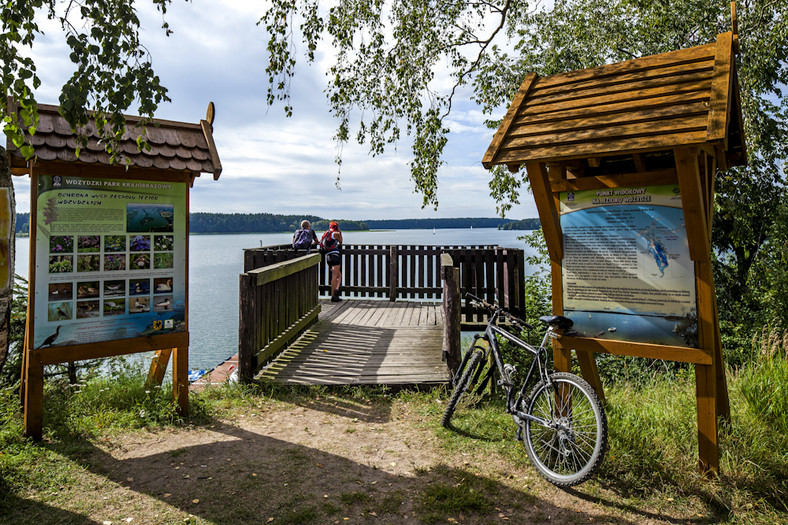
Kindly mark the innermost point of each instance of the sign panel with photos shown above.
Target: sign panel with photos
(110, 259)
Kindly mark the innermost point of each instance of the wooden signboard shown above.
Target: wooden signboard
(109, 253)
(622, 160)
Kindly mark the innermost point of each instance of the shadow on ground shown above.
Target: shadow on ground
(226, 474)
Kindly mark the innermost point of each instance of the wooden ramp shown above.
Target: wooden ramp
(367, 342)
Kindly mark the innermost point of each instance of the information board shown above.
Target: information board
(627, 273)
(110, 259)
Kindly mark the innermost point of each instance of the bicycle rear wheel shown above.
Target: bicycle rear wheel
(569, 449)
(462, 385)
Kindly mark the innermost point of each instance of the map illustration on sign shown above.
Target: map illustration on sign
(627, 274)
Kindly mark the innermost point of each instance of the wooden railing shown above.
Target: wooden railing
(414, 272)
(277, 303)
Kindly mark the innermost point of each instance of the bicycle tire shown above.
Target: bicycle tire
(462, 386)
(570, 450)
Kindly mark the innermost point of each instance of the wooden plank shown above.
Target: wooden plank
(692, 123)
(642, 98)
(280, 270)
(65, 354)
(672, 58)
(207, 130)
(656, 103)
(609, 120)
(272, 348)
(670, 353)
(503, 128)
(548, 214)
(626, 180)
(704, 65)
(720, 104)
(624, 90)
(608, 147)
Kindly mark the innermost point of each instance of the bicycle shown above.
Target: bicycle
(561, 421)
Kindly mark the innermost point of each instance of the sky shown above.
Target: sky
(274, 164)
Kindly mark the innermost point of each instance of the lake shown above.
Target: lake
(215, 262)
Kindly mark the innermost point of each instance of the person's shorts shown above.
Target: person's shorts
(333, 258)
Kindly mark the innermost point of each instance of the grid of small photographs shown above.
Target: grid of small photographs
(83, 258)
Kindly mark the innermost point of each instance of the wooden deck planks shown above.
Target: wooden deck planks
(367, 342)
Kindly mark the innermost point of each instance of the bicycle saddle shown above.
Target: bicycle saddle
(559, 321)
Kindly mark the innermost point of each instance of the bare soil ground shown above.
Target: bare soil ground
(326, 461)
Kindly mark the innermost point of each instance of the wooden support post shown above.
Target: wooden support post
(158, 367)
(692, 200)
(180, 379)
(451, 313)
(545, 205)
(246, 323)
(34, 397)
(705, 375)
(562, 357)
(25, 358)
(706, 394)
(590, 372)
(393, 273)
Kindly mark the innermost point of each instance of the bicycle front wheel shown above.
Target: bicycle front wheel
(571, 444)
(462, 386)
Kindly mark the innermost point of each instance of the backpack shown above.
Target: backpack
(302, 240)
(328, 243)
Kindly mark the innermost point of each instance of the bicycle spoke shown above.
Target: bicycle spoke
(570, 447)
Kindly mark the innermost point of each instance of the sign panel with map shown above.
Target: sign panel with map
(110, 259)
(627, 273)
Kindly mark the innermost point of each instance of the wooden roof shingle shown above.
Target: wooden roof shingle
(178, 146)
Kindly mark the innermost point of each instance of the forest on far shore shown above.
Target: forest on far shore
(202, 222)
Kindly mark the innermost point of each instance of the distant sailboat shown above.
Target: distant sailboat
(434, 231)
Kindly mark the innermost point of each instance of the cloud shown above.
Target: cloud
(271, 163)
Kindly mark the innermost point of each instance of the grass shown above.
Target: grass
(652, 459)
(651, 467)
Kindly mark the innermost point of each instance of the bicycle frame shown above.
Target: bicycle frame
(538, 363)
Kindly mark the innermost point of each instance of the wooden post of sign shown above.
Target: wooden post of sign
(158, 367)
(694, 203)
(33, 377)
(180, 379)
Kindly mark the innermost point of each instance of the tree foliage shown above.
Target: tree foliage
(112, 69)
(399, 64)
(389, 56)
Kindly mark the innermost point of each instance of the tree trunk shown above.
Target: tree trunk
(7, 246)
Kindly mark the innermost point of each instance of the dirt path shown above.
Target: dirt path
(324, 462)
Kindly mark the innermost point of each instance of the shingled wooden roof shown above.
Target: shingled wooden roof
(178, 146)
(645, 106)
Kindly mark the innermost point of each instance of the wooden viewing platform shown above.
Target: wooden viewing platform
(390, 327)
(366, 342)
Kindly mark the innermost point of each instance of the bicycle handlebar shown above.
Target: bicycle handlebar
(478, 301)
